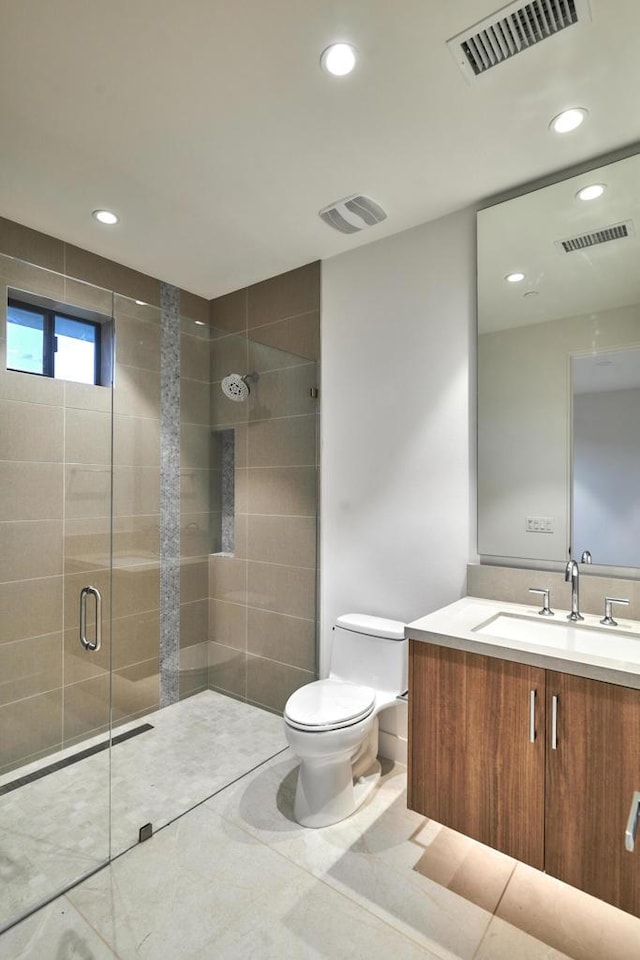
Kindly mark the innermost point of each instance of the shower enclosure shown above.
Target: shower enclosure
(157, 565)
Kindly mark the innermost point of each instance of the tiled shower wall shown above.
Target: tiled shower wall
(258, 630)
(262, 612)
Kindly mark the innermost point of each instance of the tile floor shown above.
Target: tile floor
(238, 878)
(58, 828)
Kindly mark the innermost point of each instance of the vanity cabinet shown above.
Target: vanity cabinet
(538, 764)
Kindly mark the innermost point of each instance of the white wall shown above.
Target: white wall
(398, 347)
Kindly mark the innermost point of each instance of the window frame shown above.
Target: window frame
(49, 315)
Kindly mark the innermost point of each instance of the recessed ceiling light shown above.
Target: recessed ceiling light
(514, 277)
(199, 323)
(339, 59)
(105, 216)
(141, 303)
(568, 120)
(592, 192)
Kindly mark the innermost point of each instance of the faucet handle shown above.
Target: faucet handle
(543, 592)
(586, 556)
(608, 620)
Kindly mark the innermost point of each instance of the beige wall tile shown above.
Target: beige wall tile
(228, 579)
(136, 589)
(135, 639)
(284, 393)
(195, 490)
(294, 337)
(30, 245)
(30, 491)
(87, 491)
(241, 525)
(30, 608)
(193, 307)
(136, 536)
(285, 490)
(286, 639)
(136, 491)
(195, 397)
(197, 534)
(228, 354)
(110, 275)
(30, 549)
(136, 442)
(136, 689)
(86, 707)
(88, 296)
(290, 590)
(87, 437)
(270, 684)
(504, 942)
(87, 396)
(194, 357)
(227, 669)
(81, 664)
(194, 579)
(136, 392)
(194, 670)
(87, 541)
(288, 442)
(29, 388)
(228, 314)
(30, 667)
(196, 446)
(30, 431)
(241, 497)
(288, 540)
(130, 308)
(30, 726)
(287, 295)
(194, 622)
(228, 623)
(137, 343)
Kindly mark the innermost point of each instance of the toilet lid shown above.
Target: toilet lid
(329, 704)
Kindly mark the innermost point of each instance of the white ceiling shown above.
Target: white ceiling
(210, 128)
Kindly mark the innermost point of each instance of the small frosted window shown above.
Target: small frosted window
(51, 344)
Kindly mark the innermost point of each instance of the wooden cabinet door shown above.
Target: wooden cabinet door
(472, 765)
(591, 776)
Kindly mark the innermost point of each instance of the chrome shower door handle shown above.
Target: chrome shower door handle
(632, 823)
(92, 645)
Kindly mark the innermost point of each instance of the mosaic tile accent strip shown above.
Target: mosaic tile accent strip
(169, 494)
(227, 512)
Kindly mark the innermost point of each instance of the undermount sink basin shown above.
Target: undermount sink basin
(563, 635)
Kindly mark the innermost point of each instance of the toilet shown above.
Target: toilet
(332, 725)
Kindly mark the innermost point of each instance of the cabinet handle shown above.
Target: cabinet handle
(554, 722)
(532, 717)
(632, 823)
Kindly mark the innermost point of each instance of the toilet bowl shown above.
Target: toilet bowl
(332, 725)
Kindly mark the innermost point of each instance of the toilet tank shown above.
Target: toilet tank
(371, 651)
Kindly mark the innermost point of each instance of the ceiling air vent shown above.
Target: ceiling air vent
(353, 214)
(511, 30)
(616, 232)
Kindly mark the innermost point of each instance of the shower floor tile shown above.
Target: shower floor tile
(55, 829)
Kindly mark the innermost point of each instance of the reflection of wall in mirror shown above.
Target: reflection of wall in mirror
(606, 476)
(523, 427)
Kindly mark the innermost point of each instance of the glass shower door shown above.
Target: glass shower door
(55, 582)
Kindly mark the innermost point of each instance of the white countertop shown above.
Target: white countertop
(610, 653)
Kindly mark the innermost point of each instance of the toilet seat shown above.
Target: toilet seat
(328, 705)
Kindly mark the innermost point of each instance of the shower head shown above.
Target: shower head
(236, 387)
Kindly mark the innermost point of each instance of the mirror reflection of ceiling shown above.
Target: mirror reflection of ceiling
(522, 235)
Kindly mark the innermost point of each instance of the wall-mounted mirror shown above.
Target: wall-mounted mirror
(559, 370)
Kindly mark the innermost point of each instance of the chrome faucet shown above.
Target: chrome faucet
(572, 576)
